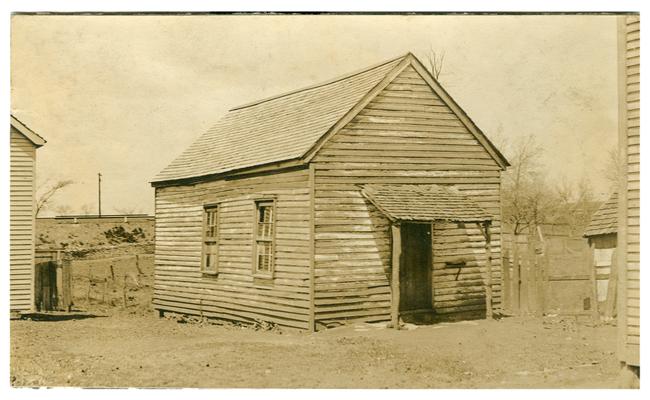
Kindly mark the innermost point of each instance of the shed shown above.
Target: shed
(23, 145)
(370, 197)
(601, 235)
(628, 236)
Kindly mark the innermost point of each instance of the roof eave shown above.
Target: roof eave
(32, 136)
(275, 166)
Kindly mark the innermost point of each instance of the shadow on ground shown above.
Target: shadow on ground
(62, 316)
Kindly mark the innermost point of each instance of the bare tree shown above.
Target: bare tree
(126, 210)
(436, 60)
(48, 192)
(86, 209)
(614, 169)
(527, 200)
(63, 209)
(575, 204)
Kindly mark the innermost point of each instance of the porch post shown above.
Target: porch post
(397, 252)
(488, 265)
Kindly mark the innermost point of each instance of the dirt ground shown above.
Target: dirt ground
(130, 349)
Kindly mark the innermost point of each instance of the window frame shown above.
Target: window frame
(256, 238)
(205, 239)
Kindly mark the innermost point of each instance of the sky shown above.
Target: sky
(124, 95)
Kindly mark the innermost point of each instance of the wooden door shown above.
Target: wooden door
(415, 267)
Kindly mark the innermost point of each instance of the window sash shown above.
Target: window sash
(264, 253)
(210, 248)
(210, 225)
(264, 256)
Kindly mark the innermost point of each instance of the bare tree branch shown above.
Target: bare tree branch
(86, 209)
(614, 169)
(436, 61)
(47, 195)
(126, 210)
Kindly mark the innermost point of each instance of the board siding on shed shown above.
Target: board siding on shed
(23, 160)
(234, 294)
(632, 76)
(405, 135)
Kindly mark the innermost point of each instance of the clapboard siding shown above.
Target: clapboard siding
(234, 294)
(632, 75)
(405, 135)
(23, 159)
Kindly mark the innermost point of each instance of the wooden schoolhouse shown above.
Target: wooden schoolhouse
(370, 197)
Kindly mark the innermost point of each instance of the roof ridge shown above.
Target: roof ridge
(315, 86)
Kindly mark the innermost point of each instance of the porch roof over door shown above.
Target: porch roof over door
(424, 203)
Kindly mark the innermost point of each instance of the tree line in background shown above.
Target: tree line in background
(46, 200)
(530, 200)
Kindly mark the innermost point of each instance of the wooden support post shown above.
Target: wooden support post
(516, 279)
(595, 314)
(488, 271)
(532, 279)
(544, 263)
(67, 284)
(59, 300)
(105, 290)
(506, 291)
(137, 264)
(90, 283)
(124, 290)
(610, 303)
(540, 285)
(524, 278)
(397, 252)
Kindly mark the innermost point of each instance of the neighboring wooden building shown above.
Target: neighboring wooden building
(366, 197)
(23, 145)
(629, 205)
(601, 234)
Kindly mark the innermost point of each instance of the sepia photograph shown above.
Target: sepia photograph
(324, 200)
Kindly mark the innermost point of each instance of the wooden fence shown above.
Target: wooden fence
(52, 281)
(551, 276)
(109, 280)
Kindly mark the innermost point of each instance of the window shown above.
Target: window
(263, 251)
(210, 240)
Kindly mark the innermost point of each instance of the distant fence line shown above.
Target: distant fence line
(52, 253)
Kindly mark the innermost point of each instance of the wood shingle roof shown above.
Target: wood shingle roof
(424, 203)
(605, 220)
(277, 129)
(288, 128)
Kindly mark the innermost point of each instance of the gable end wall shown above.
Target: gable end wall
(406, 134)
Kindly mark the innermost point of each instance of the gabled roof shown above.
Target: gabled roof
(32, 136)
(292, 126)
(605, 220)
(424, 203)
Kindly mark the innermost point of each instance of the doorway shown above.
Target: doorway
(415, 268)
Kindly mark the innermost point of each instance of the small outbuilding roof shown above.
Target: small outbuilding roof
(424, 203)
(290, 127)
(605, 219)
(32, 136)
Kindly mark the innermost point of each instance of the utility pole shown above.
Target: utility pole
(99, 185)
